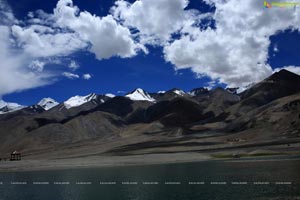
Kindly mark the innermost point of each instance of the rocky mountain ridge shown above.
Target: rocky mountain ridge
(270, 110)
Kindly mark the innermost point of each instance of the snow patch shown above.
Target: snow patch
(110, 95)
(161, 92)
(192, 93)
(140, 95)
(6, 107)
(79, 100)
(179, 92)
(47, 103)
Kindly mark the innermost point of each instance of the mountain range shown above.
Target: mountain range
(170, 121)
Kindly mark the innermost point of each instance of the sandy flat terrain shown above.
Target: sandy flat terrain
(99, 161)
(30, 164)
(145, 152)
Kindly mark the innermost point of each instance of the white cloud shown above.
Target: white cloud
(68, 30)
(294, 69)
(47, 38)
(15, 75)
(36, 41)
(37, 65)
(235, 52)
(275, 49)
(211, 84)
(70, 75)
(86, 76)
(73, 65)
(6, 15)
(106, 36)
(155, 20)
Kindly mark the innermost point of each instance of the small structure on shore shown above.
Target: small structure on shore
(15, 155)
(236, 155)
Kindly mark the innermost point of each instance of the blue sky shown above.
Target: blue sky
(186, 57)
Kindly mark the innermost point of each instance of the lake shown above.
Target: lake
(203, 180)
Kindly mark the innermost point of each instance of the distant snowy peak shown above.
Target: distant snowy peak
(140, 95)
(2, 103)
(47, 103)
(198, 91)
(179, 92)
(79, 100)
(110, 95)
(161, 92)
(6, 107)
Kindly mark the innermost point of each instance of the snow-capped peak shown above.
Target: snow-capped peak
(79, 100)
(179, 92)
(47, 103)
(198, 91)
(139, 95)
(6, 107)
(2, 103)
(110, 95)
(192, 93)
(161, 92)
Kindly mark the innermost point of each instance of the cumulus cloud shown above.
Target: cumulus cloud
(37, 42)
(106, 36)
(47, 38)
(236, 52)
(68, 30)
(155, 20)
(70, 75)
(86, 76)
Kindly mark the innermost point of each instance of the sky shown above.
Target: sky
(63, 48)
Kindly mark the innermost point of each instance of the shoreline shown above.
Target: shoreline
(125, 161)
